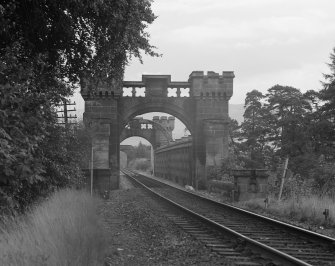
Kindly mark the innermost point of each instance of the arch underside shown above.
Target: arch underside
(178, 107)
(135, 130)
(127, 136)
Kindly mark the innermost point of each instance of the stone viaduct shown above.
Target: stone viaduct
(201, 103)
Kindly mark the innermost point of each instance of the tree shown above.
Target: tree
(254, 129)
(326, 113)
(92, 37)
(234, 134)
(142, 151)
(320, 127)
(291, 127)
(45, 47)
(236, 153)
(328, 92)
(287, 108)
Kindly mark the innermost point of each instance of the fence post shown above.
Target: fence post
(92, 170)
(283, 179)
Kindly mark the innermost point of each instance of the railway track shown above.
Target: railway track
(242, 237)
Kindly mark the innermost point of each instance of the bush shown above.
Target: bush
(324, 180)
(297, 187)
(306, 208)
(63, 230)
(141, 164)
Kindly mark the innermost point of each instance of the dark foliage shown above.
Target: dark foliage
(45, 47)
(287, 123)
(95, 37)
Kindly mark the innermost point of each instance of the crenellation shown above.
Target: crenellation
(155, 119)
(196, 74)
(170, 123)
(211, 74)
(163, 120)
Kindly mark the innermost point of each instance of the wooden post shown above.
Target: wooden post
(65, 114)
(152, 160)
(283, 179)
(92, 170)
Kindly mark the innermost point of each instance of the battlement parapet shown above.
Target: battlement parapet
(212, 85)
(166, 122)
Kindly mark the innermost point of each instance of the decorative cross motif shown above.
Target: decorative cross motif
(184, 92)
(172, 92)
(127, 92)
(140, 92)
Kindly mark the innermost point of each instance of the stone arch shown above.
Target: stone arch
(151, 135)
(129, 149)
(130, 113)
(140, 136)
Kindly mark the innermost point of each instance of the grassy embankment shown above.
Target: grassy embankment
(303, 209)
(64, 230)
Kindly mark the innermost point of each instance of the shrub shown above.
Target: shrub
(324, 180)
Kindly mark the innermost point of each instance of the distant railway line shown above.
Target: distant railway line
(243, 237)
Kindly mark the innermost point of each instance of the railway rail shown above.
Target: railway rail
(241, 236)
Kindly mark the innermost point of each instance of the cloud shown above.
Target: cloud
(305, 77)
(193, 7)
(185, 21)
(284, 29)
(263, 41)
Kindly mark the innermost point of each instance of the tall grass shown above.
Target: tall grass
(302, 209)
(64, 230)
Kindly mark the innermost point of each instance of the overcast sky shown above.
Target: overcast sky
(265, 42)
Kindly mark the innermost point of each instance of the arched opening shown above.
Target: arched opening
(136, 153)
(149, 109)
(161, 159)
(179, 128)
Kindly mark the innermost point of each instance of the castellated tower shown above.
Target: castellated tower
(211, 93)
(167, 124)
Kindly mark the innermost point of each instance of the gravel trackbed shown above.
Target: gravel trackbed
(138, 233)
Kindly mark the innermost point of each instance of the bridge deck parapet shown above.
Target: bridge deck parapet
(174, 162)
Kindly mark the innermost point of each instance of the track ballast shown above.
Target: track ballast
(243, 237)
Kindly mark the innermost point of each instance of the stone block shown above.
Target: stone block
(250, 183)
(103, 180)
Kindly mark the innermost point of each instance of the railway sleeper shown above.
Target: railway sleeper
(245, 263)
(313, 256)
(305, 250)
(226, 253)
(216, 243)
(211, 245)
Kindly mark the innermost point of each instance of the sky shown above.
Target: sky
(265, 42)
